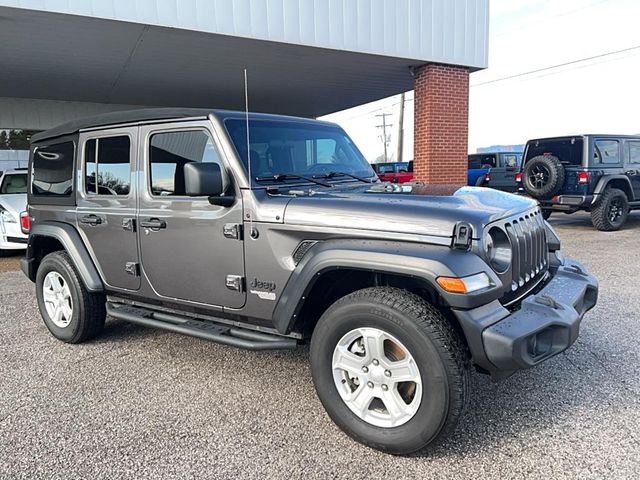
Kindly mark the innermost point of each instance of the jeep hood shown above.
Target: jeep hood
(14, 203)
(424, 210)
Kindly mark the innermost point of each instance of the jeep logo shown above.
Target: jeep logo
(262, 285)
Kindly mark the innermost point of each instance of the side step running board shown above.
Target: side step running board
(215, 332)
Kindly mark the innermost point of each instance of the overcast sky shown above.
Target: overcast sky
(599, 95)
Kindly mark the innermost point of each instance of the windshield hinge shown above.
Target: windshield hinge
(462, 235)
(232, 230)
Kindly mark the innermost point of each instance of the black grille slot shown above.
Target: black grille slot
(529, 246)
(301, 250)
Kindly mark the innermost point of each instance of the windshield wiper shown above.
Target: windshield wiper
(345, 174)
(281, 177)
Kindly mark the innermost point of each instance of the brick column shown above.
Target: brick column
(441, 124)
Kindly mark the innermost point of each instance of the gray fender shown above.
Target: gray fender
(70, 239)
(415, 260)
(604, 181)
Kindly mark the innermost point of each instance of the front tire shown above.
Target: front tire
(70, 312)
(611, 210)
(389, 369)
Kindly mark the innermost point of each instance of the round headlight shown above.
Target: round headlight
(498, 249)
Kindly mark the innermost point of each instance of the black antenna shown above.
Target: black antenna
(252, 232)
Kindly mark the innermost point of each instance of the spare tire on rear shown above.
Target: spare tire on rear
(543, 176)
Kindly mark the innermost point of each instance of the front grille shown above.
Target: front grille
(529, 245)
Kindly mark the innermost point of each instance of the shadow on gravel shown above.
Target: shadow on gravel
(582, 220)
(530, 404)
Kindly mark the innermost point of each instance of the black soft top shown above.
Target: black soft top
(122, 117)
(149, 114)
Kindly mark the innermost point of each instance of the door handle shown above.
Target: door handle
(91, 220)
(154, 224)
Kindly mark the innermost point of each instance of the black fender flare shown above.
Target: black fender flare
(70, 239)
(426, 262)
(604, 181)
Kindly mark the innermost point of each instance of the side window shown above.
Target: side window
(606, 151)
(108, 166)
(633, 152)
(169, 152)
(475, 162)
(53, 170)
(511, 161)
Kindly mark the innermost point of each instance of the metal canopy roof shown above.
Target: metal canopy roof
(152, 58)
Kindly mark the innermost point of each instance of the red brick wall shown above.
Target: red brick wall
(441, 124)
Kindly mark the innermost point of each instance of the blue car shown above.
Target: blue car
(499, 170)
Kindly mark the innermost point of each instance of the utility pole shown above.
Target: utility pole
(400, 130)
(385, 138)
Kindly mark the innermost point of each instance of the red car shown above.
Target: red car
(394, 172)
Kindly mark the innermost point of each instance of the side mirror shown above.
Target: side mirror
(205, 179)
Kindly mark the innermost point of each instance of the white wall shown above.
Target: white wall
(446, 31)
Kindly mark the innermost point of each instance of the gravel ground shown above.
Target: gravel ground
(10, 262)
(139, 403)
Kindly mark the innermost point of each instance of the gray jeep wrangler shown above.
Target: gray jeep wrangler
(265, 232)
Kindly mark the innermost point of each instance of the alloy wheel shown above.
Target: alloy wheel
(377, 377)
(57, 299)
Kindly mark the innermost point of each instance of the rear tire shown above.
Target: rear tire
(70, 312)
(611, 211)
(404, 323)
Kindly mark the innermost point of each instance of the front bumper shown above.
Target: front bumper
(545, 324)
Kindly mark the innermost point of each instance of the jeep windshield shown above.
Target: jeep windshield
(568, 149)
(297, 152)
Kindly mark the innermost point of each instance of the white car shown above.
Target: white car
(13, 201)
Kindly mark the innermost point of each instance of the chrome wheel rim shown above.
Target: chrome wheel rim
(57, 299)
(377, 377)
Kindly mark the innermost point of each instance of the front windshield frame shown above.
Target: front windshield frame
(5, 178)
(236, 132)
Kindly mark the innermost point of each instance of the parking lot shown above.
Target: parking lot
(141, 403)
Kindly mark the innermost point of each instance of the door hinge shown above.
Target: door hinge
(462, 235)
(232, 230)
(132, 268)
(129, 224)
(235, 282)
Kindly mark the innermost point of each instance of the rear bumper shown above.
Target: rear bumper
(547, 323)
(11, 237)
(567, 203)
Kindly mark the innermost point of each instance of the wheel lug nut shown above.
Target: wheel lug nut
(370, 384)
(365, 369)
(387, 373)
(375, 362)
(385, 388)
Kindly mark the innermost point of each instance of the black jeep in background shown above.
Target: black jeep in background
(599, 174)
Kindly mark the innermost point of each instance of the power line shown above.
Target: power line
(551, 67)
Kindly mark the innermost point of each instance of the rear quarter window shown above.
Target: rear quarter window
(52, 170)
(606, 152)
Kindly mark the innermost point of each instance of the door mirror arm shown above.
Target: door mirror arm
(223, 200)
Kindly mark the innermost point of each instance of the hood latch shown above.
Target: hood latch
(462, 235)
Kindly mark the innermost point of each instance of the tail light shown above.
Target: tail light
(583, 178)
(25, 222)
(519, 177)
(487, 177)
